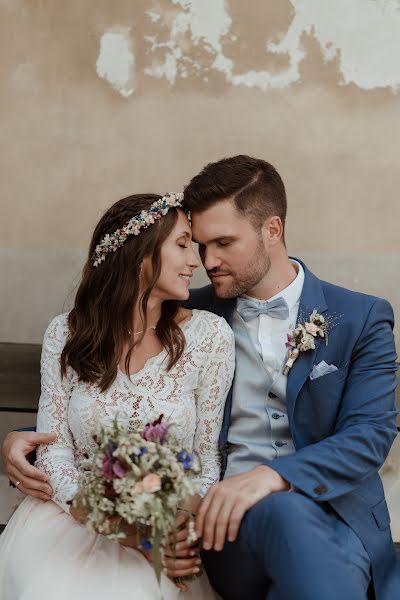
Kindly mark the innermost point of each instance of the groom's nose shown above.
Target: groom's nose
(210, 260)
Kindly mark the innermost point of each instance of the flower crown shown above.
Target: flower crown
(111, 242)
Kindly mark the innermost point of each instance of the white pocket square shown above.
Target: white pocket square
(322, 369)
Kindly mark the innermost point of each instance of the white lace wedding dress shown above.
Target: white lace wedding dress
(44, 553)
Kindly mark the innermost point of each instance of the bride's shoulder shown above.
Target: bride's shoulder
(211, 324)
(57, 330)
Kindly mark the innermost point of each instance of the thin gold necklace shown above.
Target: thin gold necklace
(143, 330)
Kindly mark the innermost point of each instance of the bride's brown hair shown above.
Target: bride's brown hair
(101, 320)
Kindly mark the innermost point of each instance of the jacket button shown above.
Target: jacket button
(320, 489)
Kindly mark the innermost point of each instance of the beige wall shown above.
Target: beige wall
(99, 100)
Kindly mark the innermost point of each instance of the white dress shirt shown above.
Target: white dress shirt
(269, 335)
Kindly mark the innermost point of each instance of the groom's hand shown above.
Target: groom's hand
(226, 502)
(16, 446)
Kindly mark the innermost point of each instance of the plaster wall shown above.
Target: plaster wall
(100, 101)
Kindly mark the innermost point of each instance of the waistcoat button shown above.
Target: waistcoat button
(275, 416)
(280, 444)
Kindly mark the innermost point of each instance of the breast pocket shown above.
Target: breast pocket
(321, 400)
(331, 379)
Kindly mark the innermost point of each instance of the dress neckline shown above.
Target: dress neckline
(163, 353)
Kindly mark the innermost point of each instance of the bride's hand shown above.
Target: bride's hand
(77, 511)
(80, 514)
(192, 504)
(181, 555)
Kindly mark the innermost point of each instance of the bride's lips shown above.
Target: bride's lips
(186, 277)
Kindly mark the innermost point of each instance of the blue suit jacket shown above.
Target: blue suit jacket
(344, 423)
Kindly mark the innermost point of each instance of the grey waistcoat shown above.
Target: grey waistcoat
(259, 427)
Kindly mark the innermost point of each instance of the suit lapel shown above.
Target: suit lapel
(224, 308)
(312, 297)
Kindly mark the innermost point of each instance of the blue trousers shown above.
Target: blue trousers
(291, 548)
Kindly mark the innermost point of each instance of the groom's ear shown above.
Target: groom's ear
(272, 230)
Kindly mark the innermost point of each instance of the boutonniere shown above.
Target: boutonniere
(303, 338)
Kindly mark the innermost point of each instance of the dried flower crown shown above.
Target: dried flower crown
(159, 208)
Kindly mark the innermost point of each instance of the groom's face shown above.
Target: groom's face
(233, 252)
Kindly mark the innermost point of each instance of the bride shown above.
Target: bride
(126, 349)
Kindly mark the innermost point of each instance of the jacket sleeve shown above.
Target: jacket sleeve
(366, 422)
(201, 298)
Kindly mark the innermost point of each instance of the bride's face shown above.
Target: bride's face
(178, 261)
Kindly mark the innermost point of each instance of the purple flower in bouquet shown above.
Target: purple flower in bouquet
(157, 431)
(186, 459)
(112, 446)
(119, 469)
(112, 468)
(145, 544)
(107, 468)
(290, 341)
(135, 456)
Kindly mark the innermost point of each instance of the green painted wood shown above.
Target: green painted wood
(19, 377)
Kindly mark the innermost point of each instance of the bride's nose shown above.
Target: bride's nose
(193, 261)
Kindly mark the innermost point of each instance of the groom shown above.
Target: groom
(300, 513)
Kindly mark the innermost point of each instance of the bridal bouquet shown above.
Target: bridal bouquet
(139, 478)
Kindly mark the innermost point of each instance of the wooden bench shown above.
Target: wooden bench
(19, 377)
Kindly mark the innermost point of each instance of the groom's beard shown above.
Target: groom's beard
(236, 283)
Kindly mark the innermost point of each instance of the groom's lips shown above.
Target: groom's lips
(217, 275)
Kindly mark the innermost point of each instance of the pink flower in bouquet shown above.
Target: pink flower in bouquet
(156, 431)
(137, 488)
(152, 483)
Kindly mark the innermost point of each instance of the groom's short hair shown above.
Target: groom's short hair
(254, 184)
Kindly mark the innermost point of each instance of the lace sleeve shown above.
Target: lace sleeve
(214, 383)
(57, 459)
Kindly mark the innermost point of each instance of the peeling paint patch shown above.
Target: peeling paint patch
(153, 16)
(116, 61)
(363, 35)
(204, 22)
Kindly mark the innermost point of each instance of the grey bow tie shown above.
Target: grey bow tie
(251, 309)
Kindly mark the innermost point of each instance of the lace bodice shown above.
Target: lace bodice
(191, 396)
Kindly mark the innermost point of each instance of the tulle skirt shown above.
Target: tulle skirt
(46, 555)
